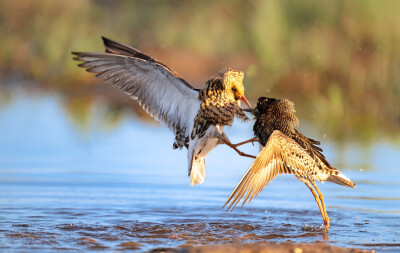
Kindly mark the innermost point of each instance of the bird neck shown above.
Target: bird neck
(214, 87)
(215, 93)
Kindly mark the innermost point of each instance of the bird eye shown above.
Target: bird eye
(234, 89)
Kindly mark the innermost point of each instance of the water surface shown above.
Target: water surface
(124, 187)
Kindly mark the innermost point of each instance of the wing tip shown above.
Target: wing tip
(79, 55)
(233, 197)
(107, 41)
(76, 55)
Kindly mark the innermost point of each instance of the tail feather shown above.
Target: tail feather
(197, 170)
(341, 180)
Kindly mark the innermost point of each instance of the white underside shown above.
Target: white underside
(198, 150)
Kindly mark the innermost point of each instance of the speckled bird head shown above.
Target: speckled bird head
(263, 105)
(277, 110)
(232, 84)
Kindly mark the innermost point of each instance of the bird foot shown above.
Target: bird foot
(326, 236)
(327, 226)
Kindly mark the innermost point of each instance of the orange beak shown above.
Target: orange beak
(245, 100)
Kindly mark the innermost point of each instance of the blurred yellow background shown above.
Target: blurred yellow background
(339, 61)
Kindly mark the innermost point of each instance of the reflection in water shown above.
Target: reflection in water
(126, 188)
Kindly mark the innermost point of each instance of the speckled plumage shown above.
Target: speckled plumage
(220, 103)
(274, 114)
(216, 107)
(285, 151)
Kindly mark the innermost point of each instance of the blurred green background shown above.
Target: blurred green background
(339, 61)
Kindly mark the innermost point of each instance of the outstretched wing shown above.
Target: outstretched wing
(281, 155)
(158, 89)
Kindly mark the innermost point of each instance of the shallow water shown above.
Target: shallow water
(121, 188)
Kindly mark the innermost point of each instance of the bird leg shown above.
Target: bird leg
(321, 197)
(223, 139)
(252, 140)
(237, 150)
(321, 209)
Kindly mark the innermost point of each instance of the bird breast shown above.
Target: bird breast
(218, 111)
(202, 145)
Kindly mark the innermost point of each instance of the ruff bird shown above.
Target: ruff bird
(285, 150)
(196, 116)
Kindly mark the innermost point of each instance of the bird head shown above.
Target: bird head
(263, 104)
(283, 108)
(232, 81)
